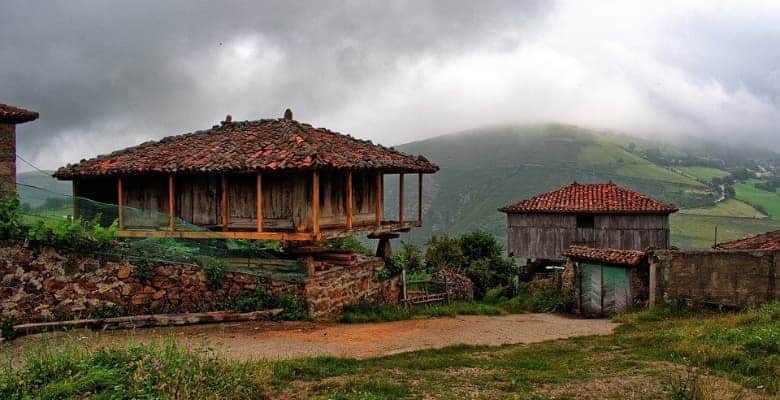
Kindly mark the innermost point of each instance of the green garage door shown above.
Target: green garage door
(603, 289)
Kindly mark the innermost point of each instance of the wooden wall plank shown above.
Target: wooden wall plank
(315, 202)
(259, 202)
(348, 200)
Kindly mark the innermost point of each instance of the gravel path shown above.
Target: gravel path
(272, 340)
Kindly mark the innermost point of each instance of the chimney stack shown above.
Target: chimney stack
(288, 114)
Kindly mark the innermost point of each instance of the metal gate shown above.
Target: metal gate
(603, 289)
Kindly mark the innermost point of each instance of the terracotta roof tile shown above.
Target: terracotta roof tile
(591, 198)
(264, 145)
(764, 241)
(16, 115)
(611, 256)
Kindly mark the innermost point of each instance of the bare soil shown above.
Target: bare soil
(288, 340)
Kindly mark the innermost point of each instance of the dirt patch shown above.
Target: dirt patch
(287, 340)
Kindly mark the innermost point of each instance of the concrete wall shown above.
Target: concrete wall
(7, 158)
(45, 284)
(730, 278)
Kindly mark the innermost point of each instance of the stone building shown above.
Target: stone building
(10, 116)
(603, 282)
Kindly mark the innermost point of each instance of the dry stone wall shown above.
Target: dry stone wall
(730, 278)
(44, 284)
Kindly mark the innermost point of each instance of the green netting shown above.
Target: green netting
(59, 211)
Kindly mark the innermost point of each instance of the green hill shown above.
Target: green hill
(484, 169)
(35, 187)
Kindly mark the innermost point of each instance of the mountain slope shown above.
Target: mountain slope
(484, 169)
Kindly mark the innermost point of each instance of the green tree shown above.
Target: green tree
(444, 252)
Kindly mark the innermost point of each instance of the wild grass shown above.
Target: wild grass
(667, 352)
(65, 369)
(364, 312)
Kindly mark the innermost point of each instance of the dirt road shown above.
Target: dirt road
(256, 340)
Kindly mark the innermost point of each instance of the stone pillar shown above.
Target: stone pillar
(7, 158)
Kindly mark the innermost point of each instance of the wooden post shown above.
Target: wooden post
(400, 198)
(171, 205)
(259, 202)
(76, 211)
(120, 196)
(419, 199)
(348, 200)
(379, 194)
(224, 204)
(315, 203)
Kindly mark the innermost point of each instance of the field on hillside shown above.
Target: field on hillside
(769, 201)
(698, 231)
(726, 208)
(704, 174)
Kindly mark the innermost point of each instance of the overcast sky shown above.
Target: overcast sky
(106, 75)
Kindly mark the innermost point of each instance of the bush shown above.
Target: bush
(77, 234)
(107, 311)
(480, 245)
(214, 269)
(349, 243)
(293, 308)
(10, 225)
(444, 252)
(7, 331)
(410, 257)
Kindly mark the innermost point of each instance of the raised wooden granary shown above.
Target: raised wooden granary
(598, 215)
(276, 179)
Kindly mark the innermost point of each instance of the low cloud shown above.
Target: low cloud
(106, 76)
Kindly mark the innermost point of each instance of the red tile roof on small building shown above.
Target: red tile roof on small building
(764, 241)
(610, 256)
(264, 145)
(592, 198)
(15, 115)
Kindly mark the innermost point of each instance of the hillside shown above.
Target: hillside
(484, 169)
(35, 187)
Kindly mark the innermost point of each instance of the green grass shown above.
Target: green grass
(648, 357)
(691, 231)
(726, 208)
(65, 369)
(769, 201)
(363, 312)
(704, 174)
(651, 355)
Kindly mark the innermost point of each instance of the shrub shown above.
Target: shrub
(214, 268)
(294, 308)
(10, 225)
(143, 270)
(349, 243)
(107, 311)
(410, 257)
(480, 245)
(7, 331)
(444, 252)
(77, 234)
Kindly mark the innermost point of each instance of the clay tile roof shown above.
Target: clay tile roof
(611, 256)
(591, 198)
(764, 241)
(264, 145)
(16, 115)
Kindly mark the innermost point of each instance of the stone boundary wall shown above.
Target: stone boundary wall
(40, 284)
(735, 278)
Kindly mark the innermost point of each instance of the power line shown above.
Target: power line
(31, 164)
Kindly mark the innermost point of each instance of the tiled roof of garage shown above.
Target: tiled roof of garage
(264, 145)
(611, 256)
(764, 241)
(591, 198)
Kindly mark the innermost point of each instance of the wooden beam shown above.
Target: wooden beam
(401, 198)
(419, 199)
(171, 205)
(379, 201)
(259, 202)
(120, 198)
(348, 200)
(223, 206)
(179, 234)
(315, 203)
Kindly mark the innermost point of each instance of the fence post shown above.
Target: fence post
(403, 283)
(446, 290)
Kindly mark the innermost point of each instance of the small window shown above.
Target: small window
(585, 221)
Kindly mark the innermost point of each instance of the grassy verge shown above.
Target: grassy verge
(670, 352)
(378, 313)
(67, 370)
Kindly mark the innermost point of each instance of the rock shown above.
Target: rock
(123, 272)
(139, 299)
(158, 295)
